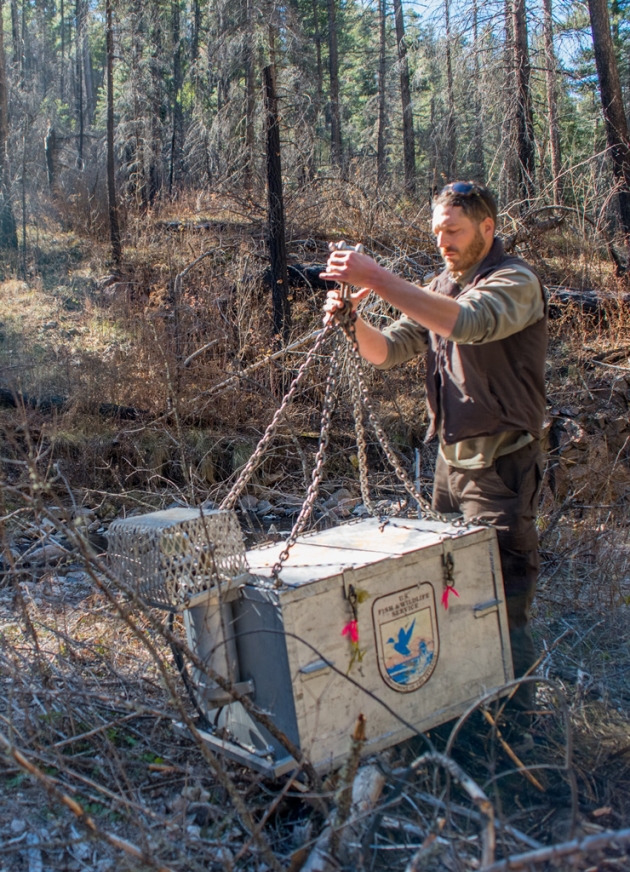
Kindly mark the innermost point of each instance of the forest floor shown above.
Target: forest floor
(104, 415)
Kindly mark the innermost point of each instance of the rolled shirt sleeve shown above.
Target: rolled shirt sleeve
(406, 339)
(507, 301)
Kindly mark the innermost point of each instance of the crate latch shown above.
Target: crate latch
(448, 576)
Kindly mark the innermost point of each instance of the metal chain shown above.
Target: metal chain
(359, 430)
(330, 398)
(357, 376)
(250, 467)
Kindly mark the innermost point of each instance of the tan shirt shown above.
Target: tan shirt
(506, 302)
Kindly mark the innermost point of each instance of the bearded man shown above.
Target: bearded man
(483, 325)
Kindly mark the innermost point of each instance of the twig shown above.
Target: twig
(346, 780)
(511, 754)
(199, 351)
(254, 366)
(555, 852)
(610, 365)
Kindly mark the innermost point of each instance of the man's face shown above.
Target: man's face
(462, 241)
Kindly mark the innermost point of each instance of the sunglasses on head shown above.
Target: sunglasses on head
(463, 188)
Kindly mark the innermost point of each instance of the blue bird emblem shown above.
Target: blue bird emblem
(402, 645)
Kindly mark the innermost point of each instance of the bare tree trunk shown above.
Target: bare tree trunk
(196, 28)
(612, 105)
(15, 34)
(508, 176)
(551, 74)
(62, 65)
(381, 157)
(409, 144)
(114, 227)
(155, 173)
(276, 228)
(250, 94)
(78, 65)
(8, 231)
(319, 85)
(451, 131)
(87, 71)
(178, 121)
(524, 116)
(478, 155)
(335, 106)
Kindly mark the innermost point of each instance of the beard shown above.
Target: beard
(470, 255)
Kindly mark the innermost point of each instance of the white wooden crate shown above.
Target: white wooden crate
(427, 663)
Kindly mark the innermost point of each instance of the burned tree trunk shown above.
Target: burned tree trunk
(612, 105)
(114, 227)
(276, 226)
(409, 145)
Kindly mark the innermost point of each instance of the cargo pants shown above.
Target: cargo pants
(506, 496)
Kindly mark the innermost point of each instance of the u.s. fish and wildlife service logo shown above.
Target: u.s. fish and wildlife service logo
(407, 640)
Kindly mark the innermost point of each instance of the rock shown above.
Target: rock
(80, 848)
(50, 325)
(203, 813)
(334, 500)
(195, 793)
(47, 554)
(248, 503)
(18, 826)
(361, 511)
(264, 507)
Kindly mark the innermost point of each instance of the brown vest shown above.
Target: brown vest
(487, 389)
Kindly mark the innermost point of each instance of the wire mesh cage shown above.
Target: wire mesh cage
(172, 559)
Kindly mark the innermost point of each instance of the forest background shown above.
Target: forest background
(171, 173)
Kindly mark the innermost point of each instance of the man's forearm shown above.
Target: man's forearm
(372, 344)
(433, 311)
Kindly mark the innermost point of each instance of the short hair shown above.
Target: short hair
(476, 200)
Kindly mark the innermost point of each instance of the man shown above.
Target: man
(483, 325)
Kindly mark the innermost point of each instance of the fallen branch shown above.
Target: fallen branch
(473, 790)
(358, 793)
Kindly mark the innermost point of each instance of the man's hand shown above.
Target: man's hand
(335, 303)
(350, 267)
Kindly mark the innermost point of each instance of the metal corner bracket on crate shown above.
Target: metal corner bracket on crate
(411, 609)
